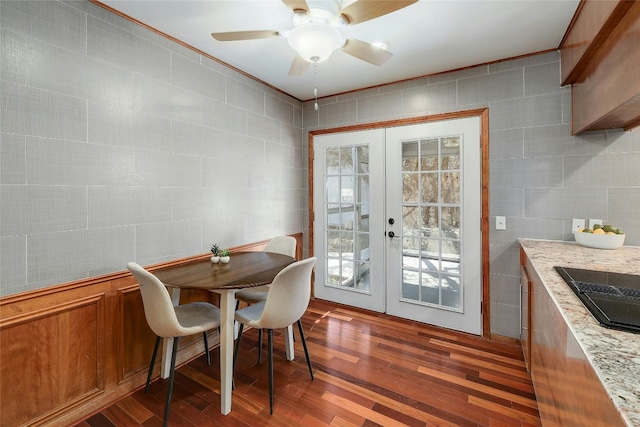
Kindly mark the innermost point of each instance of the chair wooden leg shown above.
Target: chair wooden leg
(259, 346)
(153, 362)
(304, 345)
(172, 375)
(270, 345)
(206, 348)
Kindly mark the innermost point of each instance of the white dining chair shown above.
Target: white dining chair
(285, 245)
(169, 321)
(286, 302)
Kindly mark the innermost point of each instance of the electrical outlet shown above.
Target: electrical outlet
(501, 223)
(576, 224)
(592, 222)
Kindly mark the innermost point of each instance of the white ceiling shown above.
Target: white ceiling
(427, 37)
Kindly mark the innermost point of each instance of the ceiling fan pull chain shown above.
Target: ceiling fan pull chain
(315, 89)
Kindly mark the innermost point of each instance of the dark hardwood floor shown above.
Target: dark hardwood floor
(370, 369)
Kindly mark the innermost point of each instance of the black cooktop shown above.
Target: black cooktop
(612, 298)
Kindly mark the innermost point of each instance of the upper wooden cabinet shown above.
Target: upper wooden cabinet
(600, 57)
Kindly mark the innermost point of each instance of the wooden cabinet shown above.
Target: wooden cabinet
(600, 58)
(568, 391)
(525, 316)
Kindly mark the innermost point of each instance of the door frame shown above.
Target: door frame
(483, 114)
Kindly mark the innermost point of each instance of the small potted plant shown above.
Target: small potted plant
(224, 256)
(215, 250)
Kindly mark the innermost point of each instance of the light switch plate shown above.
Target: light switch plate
(576, 224)
(501, 223)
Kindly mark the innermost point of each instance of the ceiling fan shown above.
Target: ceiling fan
(316, 30)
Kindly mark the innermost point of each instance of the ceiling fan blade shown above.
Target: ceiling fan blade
(244, 35)
(296, 5)
(364, 10)
(366, 52)
(298, 66)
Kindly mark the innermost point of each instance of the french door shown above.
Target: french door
(433, 194)
(397, 221)
(349, 218)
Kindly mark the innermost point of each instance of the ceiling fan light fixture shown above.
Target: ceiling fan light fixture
(315, 42)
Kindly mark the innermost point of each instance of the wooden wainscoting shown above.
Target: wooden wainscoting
(51, 357)
(67, 351)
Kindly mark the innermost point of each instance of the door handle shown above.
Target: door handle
(391, 234)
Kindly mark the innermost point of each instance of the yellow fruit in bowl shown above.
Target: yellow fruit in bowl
(598, 231)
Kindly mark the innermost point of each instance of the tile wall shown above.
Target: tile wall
(540, 176)
(117, 144)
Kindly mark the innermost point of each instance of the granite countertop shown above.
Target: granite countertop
(614, 355)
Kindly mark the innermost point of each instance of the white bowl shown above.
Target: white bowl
(599, 241)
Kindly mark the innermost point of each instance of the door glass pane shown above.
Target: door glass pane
(362, 223)
(410, 221)
(429, 188)
(346, 161)
(363, 264)
(451, 153)
(333, 243)
(451, 293)
(410, 156)
(333, 216)
(431, 222)
(429, 155)
(332, 186)
(347, 194)
(346, 217)
(430, 287)
(347, 210)
(410, 250)
(347, 274)
(362, 153)
(430, 254)
(451, 222)
(410, 284)
(362, 251)
(332, 161)
(451, 256)
(346, 245)
(333, 271)
(450, 187)
(362, 276)
(362, 195)
(410, 188)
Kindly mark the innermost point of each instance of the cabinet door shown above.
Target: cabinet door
(525, 315)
